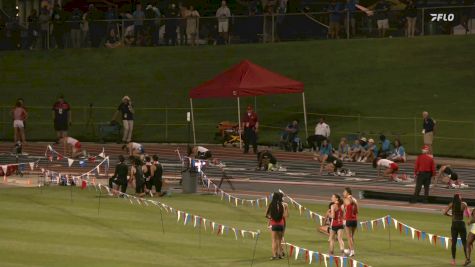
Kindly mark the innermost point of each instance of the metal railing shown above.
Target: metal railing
(168, 124)
(264, 28)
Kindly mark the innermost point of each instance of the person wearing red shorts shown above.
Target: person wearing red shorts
(336, 226)
(391, 168)
(351, 219)
(276, 213)
(74, 144)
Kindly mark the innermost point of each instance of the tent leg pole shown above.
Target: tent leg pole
(193, 121)
(239, 122)
(305, 116)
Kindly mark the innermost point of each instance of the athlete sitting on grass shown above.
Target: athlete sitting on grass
(134, 149)
(448, 176)
(73, 144)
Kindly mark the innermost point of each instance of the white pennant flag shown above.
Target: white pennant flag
(300, 209)
(321, 219)
(70, 162)
(213, 224)
(325, 260)
(395, 223)
(384, 222)
(236, 200)
(253, 235)
(195, 219)
(186, 218)
(372, 227)
(413, 232)
(447, 240)
(179, 215)
(32, 165)
(355, 263)
(102, 154)
(297, 251)
(266, 202)
(310, 256)
(235, 233)
(242, 233)
(204, 223)
(430, 237)
(50, 148)
(4, 169)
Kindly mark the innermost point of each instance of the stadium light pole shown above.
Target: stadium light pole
(192, 122)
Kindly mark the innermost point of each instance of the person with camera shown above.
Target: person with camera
(127, 112)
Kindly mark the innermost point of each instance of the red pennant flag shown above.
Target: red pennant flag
(365, 265)
(418, 234)
(399, 225)
(320, 257)
(219, 229)
(291, 250)
(375, 224)
(92, 159)
(434, 238)
(83, 184)
(50, 158)
(351, 262)
(337, 261)
(306, 256)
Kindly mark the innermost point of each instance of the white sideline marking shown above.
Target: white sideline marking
(297, 173)
(358, 179)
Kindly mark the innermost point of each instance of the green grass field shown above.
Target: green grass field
(374, 77)
(43, 228)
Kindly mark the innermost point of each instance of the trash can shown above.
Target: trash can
(189, 181)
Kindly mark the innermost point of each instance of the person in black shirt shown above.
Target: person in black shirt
(428, 126)
(127, 114)
(149, 174)
(119, 179)
(157, 178)
(264, 158)
(61, 117)
(137, 174)
(330, 164)
(411, 17)
(458, 225)
(447, 175)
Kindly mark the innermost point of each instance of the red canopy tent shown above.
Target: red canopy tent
(246, 79)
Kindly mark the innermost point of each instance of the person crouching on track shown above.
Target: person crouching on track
(134, 149)
(336, 226)
(276, 213)
(391, 168)
(119, 179)
(149, 174)
(200, 152)
(265, 160)
(137, 174)
(447, 175)
(351, 218)
(330, 164)
(73, 144)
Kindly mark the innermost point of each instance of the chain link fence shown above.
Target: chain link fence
(169, 125)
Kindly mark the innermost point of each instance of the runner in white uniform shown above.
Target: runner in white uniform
(74, 144)
(134, 149)
(390, 166)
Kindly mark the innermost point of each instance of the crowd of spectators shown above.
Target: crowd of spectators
(179, 24)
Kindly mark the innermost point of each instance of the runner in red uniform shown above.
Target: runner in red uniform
(336, 226)
(351, 218)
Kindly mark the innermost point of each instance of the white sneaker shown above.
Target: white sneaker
(464, 186)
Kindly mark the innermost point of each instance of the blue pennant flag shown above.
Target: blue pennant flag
(442, 241)
(308, 214)
(361, 264)
(406, 229)
(423, 236)
(315, 255)
(459, 242)
(389, 220)
(82, 163)
(330, 259)
(345, 262)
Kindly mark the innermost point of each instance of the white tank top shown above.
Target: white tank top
(385, 163)
(202, 149)
(136, 146)
(71, 141)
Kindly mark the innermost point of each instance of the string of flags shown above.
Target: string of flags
(184, 217)
(434, 239)
(96, 171)
(258, 202)
(51, 154)
(316, 257)
(8, 169)
(311, 215)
